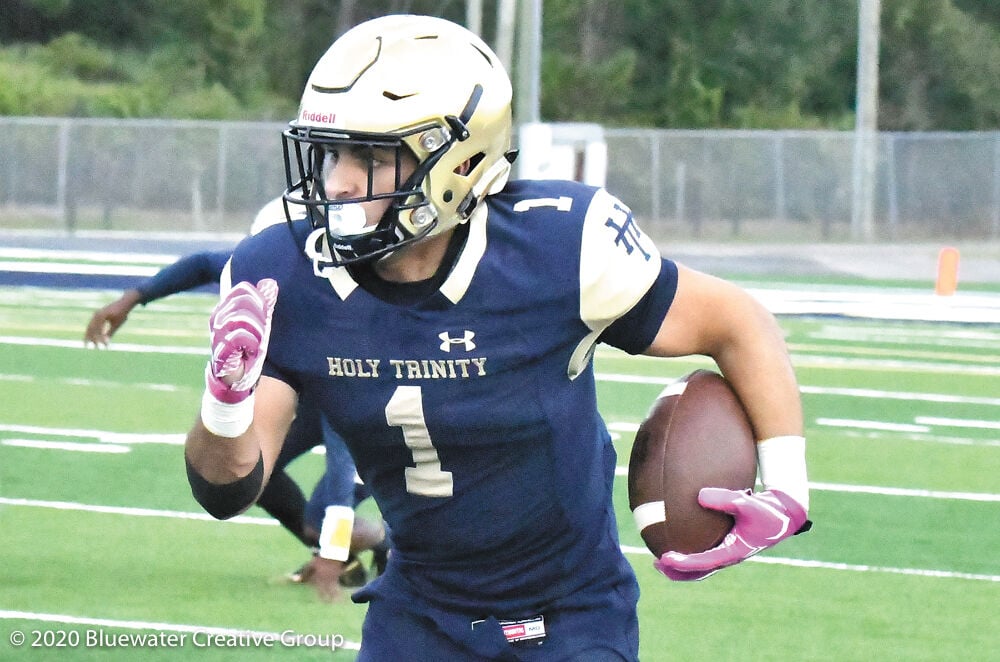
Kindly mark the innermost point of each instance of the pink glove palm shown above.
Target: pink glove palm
(763, 519)
(239, 328)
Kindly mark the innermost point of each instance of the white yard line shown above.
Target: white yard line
(906, 492)
(91, 383)
(888, 491)
(51, 254)
(72, 446)
(958, 422)
(825, 390)
(113, 347)
(103, 436)
(79, 268)
(806, 563)
(133, 512)
(872, 425)
(851, 567)
(876, 303)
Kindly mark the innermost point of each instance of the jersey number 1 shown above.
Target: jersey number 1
(406, 410)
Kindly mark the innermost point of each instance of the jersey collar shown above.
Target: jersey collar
(454, 286)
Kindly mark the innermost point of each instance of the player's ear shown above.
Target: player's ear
(464, 167)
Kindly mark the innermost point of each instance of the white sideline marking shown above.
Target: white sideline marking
(16, 253)
(78, 268)
(919, 432)
(925, 438)
(886, 491)
(804, 563)
(115, 347)
(907, 492)
(275, 637)
(898, 365)
(94, 383)
(827, 390)
(959, 422)
(898, 305)
(901, 395)
(103, 436)
(871, 425)
(134, 512)
(67, 446)
(907, 335)
(123, 439)
(826, 565)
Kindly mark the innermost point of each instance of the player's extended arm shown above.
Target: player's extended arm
(105, 321)
(232, 447)
(187, 273)
(716, 318)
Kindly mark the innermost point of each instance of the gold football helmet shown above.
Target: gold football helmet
(406, 83)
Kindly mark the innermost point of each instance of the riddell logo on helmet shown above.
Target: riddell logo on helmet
(323, 118)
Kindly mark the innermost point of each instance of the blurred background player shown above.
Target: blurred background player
(282, 498)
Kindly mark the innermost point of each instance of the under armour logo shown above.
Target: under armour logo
(465, 341)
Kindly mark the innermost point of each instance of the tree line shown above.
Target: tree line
(642, 63)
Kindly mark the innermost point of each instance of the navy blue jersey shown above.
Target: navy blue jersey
(472, 414)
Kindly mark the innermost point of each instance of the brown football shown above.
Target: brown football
(696, 435)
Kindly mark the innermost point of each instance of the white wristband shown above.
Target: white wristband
(782, 464)
(335, 533)
(226, 420)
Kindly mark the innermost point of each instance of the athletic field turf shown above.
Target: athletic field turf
(106, 556)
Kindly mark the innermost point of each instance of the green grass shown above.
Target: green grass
(910, 574)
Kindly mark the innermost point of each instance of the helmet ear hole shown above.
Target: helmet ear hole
(448, 195)
(470, 165)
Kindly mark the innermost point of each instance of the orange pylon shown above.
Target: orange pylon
(947, 274)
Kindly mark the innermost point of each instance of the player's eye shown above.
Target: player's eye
(367, 155)
(331, 155)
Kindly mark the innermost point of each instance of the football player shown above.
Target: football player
(444, 318)
(282, 498)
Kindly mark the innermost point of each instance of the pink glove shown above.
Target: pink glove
(239, 329)
(763, 519)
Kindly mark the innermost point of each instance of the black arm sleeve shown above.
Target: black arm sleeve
(226, 500)
(187, 273)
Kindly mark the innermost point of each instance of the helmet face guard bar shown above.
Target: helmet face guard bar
(309, 165)
(305, 187)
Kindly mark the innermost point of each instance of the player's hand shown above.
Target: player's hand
(240, 327)
(324, 575)
(763, 519)
(104, 322)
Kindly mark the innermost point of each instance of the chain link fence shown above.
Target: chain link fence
(748, 186)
